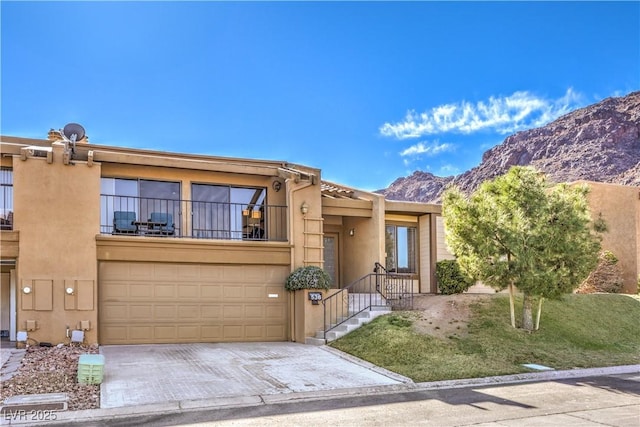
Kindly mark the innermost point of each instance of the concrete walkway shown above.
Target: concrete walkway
(137, 375)
(10, 359)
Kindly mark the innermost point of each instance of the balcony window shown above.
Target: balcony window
(225, 212)
(6, 199)
(143, 197)
(142, 207)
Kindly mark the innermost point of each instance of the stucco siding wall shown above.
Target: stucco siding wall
(57, 214)
(424, 231)
(443, 251)
(620, 208)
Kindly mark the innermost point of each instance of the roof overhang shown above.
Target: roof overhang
(347, 207)
(121, 155)
(411, 208)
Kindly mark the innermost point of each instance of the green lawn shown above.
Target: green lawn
(579, 331)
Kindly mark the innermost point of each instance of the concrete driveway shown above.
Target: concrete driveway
(147, 374)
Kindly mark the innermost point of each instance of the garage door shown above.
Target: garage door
(142, 303)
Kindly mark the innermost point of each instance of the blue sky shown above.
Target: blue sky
(366, 91)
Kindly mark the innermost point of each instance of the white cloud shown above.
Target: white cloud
(521, 110)
(426, 148)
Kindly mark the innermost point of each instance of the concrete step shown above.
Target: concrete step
(333, 335)
(354, 323)
(314, 341)
(358, 301)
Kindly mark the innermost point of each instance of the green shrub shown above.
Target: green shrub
(309, 277)
(609, 257)
(450, 278)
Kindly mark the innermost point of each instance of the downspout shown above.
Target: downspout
(292, 311)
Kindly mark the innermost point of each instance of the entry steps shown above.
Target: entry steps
(349, 325)
(357, 301)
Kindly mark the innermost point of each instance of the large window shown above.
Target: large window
(401, 249)
(225, 212)
(141, 196)
(6, 199)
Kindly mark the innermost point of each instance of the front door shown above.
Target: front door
(331, 264)
(8, 302)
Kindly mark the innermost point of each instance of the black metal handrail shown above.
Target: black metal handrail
(207, 220)
(377, 289)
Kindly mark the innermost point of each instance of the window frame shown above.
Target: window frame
(411, 251)
(135, 202)
(6, 198)
(241, 219)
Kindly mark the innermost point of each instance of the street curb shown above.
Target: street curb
(95, 416)
(530, 377)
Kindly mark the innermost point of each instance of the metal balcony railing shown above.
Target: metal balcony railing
(128, 215)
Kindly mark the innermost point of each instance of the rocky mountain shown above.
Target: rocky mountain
(600, 143)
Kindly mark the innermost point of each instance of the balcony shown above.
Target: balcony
(144, 216)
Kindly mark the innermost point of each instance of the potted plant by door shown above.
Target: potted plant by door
(309, 285)
(310, 277)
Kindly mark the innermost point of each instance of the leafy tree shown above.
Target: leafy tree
(517, 230)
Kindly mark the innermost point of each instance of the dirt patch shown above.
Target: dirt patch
(443, 316)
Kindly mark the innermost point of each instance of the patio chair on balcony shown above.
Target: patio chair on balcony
(123, 222)
(162, 223)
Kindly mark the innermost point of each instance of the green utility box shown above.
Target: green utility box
(91, 369)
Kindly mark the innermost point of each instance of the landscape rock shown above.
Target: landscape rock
(53, 370)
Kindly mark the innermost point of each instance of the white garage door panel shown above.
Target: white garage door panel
(170, 303)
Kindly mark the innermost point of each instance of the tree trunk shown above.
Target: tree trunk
(539, 313)
(511, 306)
(527, 312)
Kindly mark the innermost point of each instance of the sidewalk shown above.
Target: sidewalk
(129, 414)
(98, 416)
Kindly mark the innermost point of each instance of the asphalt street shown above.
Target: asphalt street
(594, 401)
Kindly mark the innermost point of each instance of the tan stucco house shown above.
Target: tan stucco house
(135, 246)
(139, 246)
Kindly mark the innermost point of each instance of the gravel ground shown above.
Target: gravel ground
(53, 370)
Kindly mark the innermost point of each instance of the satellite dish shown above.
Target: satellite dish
(73, 131)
